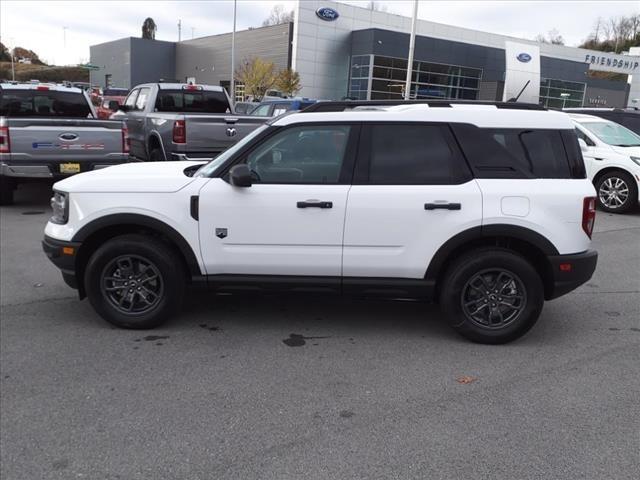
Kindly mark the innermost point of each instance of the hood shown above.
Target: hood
(160, 177)
(633, 151)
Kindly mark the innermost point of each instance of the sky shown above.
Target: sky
(60, 32)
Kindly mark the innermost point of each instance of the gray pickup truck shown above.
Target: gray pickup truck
(51, 131)
(175, 121)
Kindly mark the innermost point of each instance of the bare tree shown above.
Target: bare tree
(553, 37)
(149, 29)
(277, 16)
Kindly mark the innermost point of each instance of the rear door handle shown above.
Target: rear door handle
(314, 204)
(443, 206)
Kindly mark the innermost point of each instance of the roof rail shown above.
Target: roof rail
(341, 106)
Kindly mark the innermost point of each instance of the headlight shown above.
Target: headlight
(636, 160)
(60, 207)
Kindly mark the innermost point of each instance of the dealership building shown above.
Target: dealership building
(341, 51)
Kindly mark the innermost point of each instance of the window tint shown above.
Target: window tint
(130, 101)
(309, 154)
(514, 153)
(43, 103)
(405, 154)
(200, 101)
(584, 137)
(141, 101)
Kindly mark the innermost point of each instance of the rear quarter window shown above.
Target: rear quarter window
(520, 153)
(43, 103)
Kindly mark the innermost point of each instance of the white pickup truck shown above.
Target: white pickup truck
(50, 132)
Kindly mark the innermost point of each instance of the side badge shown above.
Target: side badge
(221, 232)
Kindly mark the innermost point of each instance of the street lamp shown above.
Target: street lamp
(564, 98)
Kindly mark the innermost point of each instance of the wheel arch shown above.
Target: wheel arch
(524, 241)
(95, 233)
(155, 140)
(614, 168)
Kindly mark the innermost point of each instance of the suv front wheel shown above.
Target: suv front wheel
(492, 295)
(135, 281)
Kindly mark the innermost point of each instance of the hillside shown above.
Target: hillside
(44, 73)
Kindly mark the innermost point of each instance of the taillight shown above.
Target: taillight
(588, 215)
(42, 88)
(125, 139)
(5, 144)
(179, 132)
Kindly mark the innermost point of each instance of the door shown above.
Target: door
(291, 220)
(412, 192)
(135, 123)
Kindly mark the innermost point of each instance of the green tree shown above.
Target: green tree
(257, 76)
(288, 82)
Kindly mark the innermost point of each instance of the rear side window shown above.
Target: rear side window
(43, 103)
(516, 153)
(412, 154)
(196, 101)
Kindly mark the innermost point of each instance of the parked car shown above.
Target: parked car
(173, 121)
(242, 108)
(109, 106)
(627, 117)
(273, 108)
(487, 211)
(612, 157)
(50, 131)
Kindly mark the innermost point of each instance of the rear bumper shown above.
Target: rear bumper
(570, 271)
(63, 255)
(51, 169)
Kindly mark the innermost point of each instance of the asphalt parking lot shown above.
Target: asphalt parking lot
(292, 388)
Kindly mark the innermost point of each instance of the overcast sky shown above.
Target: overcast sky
(39, 25)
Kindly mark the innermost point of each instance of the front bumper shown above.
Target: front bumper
(570, 271)
(63, 255)
(51, 169)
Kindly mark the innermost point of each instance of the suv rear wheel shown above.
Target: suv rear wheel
(132, 281)
(492, 295)
(617, 192)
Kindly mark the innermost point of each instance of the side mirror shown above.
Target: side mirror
(583, 145)
(240, 176)
(114, 106)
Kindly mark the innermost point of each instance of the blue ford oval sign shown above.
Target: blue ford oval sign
(524, 57)
(328, 14)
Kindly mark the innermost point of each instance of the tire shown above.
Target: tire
(469, 308)
(7, 186)
(136, 259)
(617, 192)
(156, 155)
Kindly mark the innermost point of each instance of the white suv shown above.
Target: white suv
(612, 158)
(485, 209)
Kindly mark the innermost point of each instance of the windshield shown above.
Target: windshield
(208, 169)
(613, 134)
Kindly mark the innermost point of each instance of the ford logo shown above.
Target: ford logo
(524, 57)
(328, 14)
(68, 136)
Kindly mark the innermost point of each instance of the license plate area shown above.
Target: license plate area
(70, 167)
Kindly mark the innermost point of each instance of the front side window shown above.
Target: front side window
(613, 134)
(412, 154)
(141, 101)
(131, 99)
(261, 111)
(301, 155)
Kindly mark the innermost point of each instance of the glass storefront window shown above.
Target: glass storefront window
(552, 90)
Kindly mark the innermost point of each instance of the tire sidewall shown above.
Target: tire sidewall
(157, 253)
(156, 155)
(631, 199)
(468, 266)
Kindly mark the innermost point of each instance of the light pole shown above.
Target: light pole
(412, 46)
(564, 98)
(232, 87)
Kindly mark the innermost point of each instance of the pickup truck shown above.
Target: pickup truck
(51, 131)
(174, 121)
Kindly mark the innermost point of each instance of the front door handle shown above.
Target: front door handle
(443, 206)
(314, 204)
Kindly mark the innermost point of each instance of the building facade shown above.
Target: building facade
(343, 51)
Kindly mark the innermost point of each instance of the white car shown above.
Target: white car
(612, 158)
(485, 209)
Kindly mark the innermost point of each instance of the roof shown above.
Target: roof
(584, 118)
(35, 86)
(480, 115)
